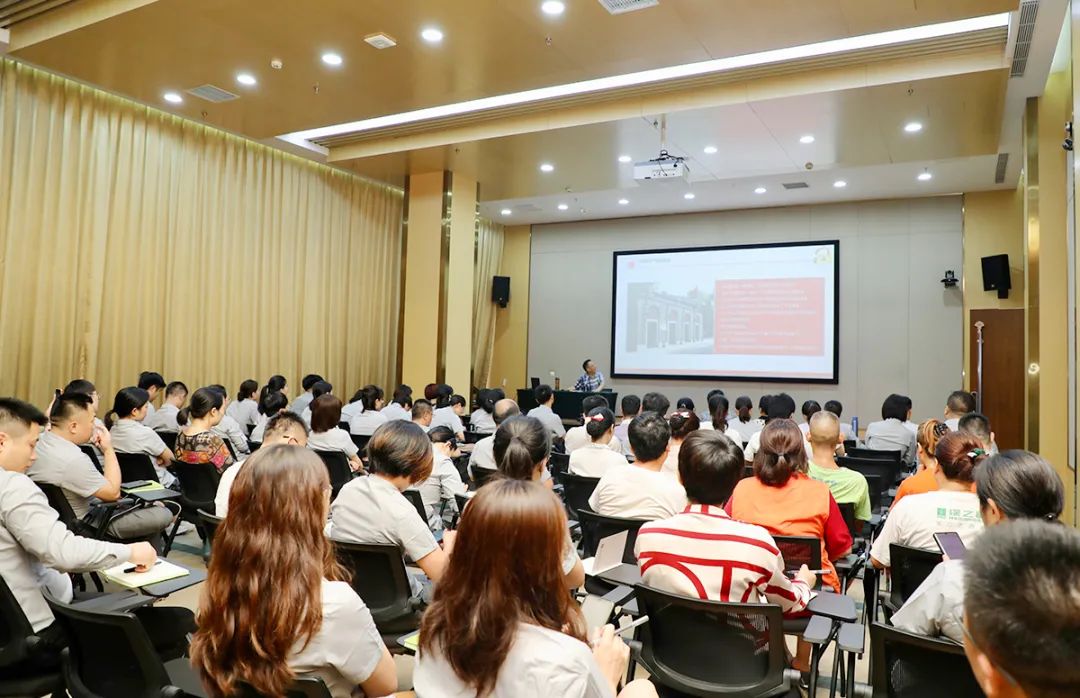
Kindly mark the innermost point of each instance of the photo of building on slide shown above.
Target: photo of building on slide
(666, 319)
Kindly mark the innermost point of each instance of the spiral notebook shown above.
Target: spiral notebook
(162, 571)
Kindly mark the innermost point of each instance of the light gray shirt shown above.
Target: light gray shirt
(443, 483)
(481, 422)
(163, 419)
(549, 419)
(301, 402)
(31, 535)
(483, 454)
(395, 411)
(228, 428)
(365, 423)
(633, 492)
(244, 412)
(129, 436)
(61, 463)
(350, 410)
(336, 439)
(446, 417)
(891, 435)
(371, 510)
(936, 609)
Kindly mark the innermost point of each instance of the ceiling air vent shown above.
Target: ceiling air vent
(1002, 165)
(796, 185)
(618, 7)
(212, 94)
(1029, 11)
(380, 40)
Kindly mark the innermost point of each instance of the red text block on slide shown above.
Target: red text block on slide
(777, 317)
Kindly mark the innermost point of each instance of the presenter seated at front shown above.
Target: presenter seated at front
(592, 380)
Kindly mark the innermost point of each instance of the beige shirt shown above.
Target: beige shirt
(61, 463)
(633, 492)
(578, 437)
(594, 460)
(335, 439)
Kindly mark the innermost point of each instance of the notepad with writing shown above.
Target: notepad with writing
(609, 553)
(162, 571)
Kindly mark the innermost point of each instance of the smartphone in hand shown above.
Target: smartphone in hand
(952, 546)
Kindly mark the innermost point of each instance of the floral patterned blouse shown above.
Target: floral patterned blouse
(204, 447)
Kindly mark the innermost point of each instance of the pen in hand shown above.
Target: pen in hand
(128, 570)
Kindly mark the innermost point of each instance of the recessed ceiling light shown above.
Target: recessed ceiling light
(688, 195)
(431, 35)
(760, 190)
(331, 59)
(925, 176)
(173, 97)
(563, 207)
(506, 212)
(547, 167)
(839, 184)
(913, 127)
(807, 139)
(711, 150)
(553, 7)
(246, 79)
(623, 202)
(625, 158)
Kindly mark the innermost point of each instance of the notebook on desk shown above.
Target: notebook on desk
(609, 554)
(140, 486)
(162, 571)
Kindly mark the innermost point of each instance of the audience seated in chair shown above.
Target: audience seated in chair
(152, 383)
(655, 402)
(682, 423)
(847, 486)
(959, 403)
(304, 399)
(1022, 610)
(846, 431)
(272, 403)
(780, 406)
(978, 425)
(372, 509)
(890, 434)
(578, 437)
(283, 428)
(61, 463)
(326, 435)
(719, 420)
(640, 490)
(1010, 486)
(400, 406)
(597, 457)
(164, 419)
(928, 435)
(952, 508)
(448, 410)
(445, 481)
(545, 398)
(809, 409)
(365, 423)
(36, 550)
(317, 391)
(483, 453)
(631, 407)
(313, 622)
(502, 623)
(245, 408)
(422, 412)
(197, 442)
(130, 434)
(482, 420)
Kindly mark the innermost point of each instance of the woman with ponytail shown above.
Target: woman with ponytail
(683, 423)
(130, 435)
(952, 508)
(196, 442)
(597, 457)
(926, 437)
(522, 446)
(270, 405)
(245, 409)
(1011, 485)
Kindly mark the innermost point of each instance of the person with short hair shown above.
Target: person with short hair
(448, 414)
(631, 407)
(978, 425)
(656, 402)
(422, 414)
(682, 423)
(743, 420)
(164, 419)
(952, 508)
(641, 490)
(312, 622)
(809, 409)
(890, 434)
(129, 433)
(1022, 610)
(847, 486)
(304, 399)
(545, 398)
(152, 383)
(846, 431)
(373, 509)
(578, 437)
(1011, 486)
(368, 422)
(326, 435)
(245, 409)
(439, 489)
(959, 403)
(780, 406)
(502, 624)
(592, 380)
(271, 404)
(702, 552)
(282, 428)
(927, 437)
(318, 390)
(483, 453)
(400, 406)
(598, 457)
(228, 428)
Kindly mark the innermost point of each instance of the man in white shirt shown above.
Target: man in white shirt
(631, 407)
(400, 406)
(545, 398)
(422, 414)
(449, 415)
(578, 437)
(960, 402)
(640, 490)
(153, 384)
(283, 428)
(483, 453)
(164, 419)
(304, 399)
(846, 431)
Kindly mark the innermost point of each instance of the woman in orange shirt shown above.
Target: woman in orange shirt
(785, 501)
(928, 435)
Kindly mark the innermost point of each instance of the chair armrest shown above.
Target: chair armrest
(114, 603)
(852, 638)
(818, 630)
(619, 595)
(834, 606)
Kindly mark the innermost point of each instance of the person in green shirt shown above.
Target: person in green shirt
(847, 486)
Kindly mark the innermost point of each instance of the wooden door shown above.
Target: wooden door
(1004, 373)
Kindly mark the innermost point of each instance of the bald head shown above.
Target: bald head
(505, 409)
(825, 429)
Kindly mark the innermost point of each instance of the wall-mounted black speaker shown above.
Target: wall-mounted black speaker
(500, 290)
(996, 275)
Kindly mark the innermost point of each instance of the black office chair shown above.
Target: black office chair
(337, 464)
(136, 466)
(209, 524)
(302, 687)
(472, 437)
(709, 648)
(344, 426)
(380, 578)
(111, 656)
(559, 465)
(876, 489)
(417, 501)
(850, 445)
(20, 646)
(60, 504)
(93, 456)
(847, 510)
(169, 437)
(232, 449)
(874, 454)
(595, 528)
(909, 568)
(198, 488)
(480, 477)
(887, 470)
(361, 442)
(906, 665)
(576, 492)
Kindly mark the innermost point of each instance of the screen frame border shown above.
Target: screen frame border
(834, 380)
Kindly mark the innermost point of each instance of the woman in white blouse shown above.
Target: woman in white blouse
(326, 435)
(481, 420)
(245, 410)
(313, 623)
(501, 624)
(683, 423)
(597, 457)
(271, 404)
(365, 423)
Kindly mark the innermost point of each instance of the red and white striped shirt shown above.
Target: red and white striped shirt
(706, 554)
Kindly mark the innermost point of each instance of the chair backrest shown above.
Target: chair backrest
(92, 455)
(909, 568)
(417, 501)
(874, 454)
(887, 470)
(15, 629)
(576, 492)
(361, 442)
(344, 426)
(232, 449)
(847, 510)
(595, 528)
(169, 437)
(337, 465)
(60, 503)
(109, 654)
(472, 437)
(906, 665)
(136, 466)
(210, 523)
(559, 465)
(876, 490)
(379, 577)
(712, 648)
(198, 485)
(461, 501)
(799, 551)
(481, 476)
(302, 687)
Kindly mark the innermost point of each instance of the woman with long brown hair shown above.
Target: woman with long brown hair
(502, 624)
(275, 604)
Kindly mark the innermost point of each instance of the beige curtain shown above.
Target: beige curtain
(132, 239)
(489, 249)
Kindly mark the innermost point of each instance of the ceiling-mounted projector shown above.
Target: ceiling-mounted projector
(666, 168)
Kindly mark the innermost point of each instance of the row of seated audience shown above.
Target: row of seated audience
(499, 619)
